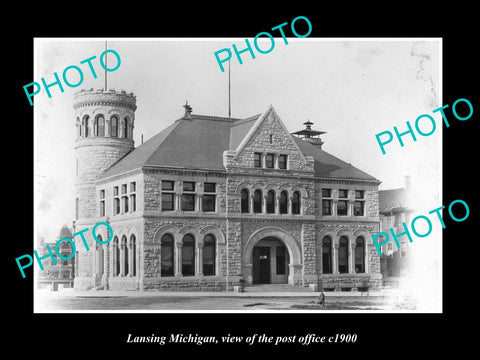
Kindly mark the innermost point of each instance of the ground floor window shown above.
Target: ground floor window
(209, 255)
(343, 255)
(166, 258)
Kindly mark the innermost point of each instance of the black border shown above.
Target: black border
(106, 333)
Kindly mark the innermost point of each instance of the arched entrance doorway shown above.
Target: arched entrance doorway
(262, 263)
(270, 262)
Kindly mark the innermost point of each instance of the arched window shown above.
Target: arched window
(123, 128)
(271, 202)
(257, 201)
(127, 128)
(296, 203)
(114, 126)
(116, 257)
(100, 125)
(360, 255)
(343, 255)
(327, 255)
(79, 127)
(85, 124)
(209, 255)
(245, 194)
(283, 203)
(133, 244)
(125, 255)
(188, 256)
(167, 255)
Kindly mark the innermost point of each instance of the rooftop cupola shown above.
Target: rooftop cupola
(309, 135)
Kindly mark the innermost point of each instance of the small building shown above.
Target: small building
(57, 272)
(394, 210)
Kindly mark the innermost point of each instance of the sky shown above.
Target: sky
(350, 88)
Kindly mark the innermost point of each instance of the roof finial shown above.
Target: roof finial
(188, 108)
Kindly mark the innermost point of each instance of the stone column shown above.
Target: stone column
(277, 204)
(122, 258)
(334, 207)
(320, 257)
(178, 259)
(351, 258)
(130, 259)
(198, 200)
(350, 208)
(199, 259)
(250, 203)
(264, 204)
(106, 265)
(177, 201)
(335, 258)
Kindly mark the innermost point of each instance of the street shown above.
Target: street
(54, 302)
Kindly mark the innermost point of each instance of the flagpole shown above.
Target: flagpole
(106, 65)
(229, 100)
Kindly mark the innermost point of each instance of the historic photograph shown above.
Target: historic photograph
(211, 175)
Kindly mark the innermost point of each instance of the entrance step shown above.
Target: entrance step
(277, 288)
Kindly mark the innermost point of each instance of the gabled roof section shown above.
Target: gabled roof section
(270, 111)
(329, 166)
(240, 129)
(392, 199)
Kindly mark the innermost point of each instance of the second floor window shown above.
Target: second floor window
(209, 197)
(168, 195)
(188, 196)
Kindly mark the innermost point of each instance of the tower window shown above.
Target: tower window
(102, 202)
(85, 125)
(114, 126)
(100, 125)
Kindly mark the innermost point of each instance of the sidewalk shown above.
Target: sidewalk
(211, 294)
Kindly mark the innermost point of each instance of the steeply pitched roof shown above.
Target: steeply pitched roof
(392, 199)
(198, 142)
(327, 165)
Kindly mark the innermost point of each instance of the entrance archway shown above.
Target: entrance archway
(270, 262)
(261, 252)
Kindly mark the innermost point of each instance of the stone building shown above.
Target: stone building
(213, 202)
(57, 272)
(395, 209)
